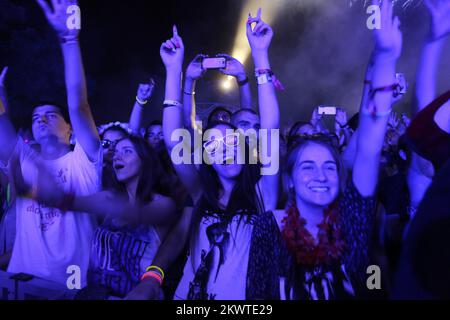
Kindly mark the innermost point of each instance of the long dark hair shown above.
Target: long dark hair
(244, 190)
(152, 178)
(244, 197)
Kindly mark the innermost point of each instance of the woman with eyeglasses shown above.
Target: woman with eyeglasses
(138, 211)
(233, 247)
(328, 222)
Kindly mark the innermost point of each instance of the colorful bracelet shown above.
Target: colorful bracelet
(153, 275)
(157, 269)
(141, 102)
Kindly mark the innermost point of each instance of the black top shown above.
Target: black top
(346, 278)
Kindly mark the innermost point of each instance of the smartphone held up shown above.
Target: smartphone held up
(214, 63)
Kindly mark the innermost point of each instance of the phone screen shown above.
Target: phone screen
(329, 111)
(214, 63)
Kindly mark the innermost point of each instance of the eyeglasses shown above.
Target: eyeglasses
(231, 140)
(106, 144)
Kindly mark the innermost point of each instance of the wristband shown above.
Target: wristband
(141, 102)
(243, 82)
(264, 76)
(189, 94)
(153, 275)
(69, 40)
(157, 269)
(374, 113)
(344, 126)
(172, 103)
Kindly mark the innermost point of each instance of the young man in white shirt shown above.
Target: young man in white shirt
(48, 240)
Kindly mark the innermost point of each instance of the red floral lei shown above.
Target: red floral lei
(307, 251)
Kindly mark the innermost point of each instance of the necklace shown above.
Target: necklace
(307, 251)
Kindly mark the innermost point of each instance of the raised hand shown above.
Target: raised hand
(389, 38)
(59, 15)
(172, 51)
(195, 70)
(261, 35)
(394, 120)
(234, 67)
(316, 117)
(440, 17)
(341, 117)
(145, 90)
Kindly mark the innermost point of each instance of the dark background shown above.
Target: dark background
(320, 51)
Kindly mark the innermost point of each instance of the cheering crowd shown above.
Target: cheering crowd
(129, 205)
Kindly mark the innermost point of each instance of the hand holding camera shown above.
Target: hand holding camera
(233, 68)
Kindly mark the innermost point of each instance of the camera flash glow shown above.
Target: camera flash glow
(226, 85)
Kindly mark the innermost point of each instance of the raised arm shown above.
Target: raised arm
(374, 116)
(144, 93)
(172, 54)
(259, 39)
(8, 136)
(194, 72)
(341, 127)
(236, 69)
(161, 211)
(80, 112)
(431, 52)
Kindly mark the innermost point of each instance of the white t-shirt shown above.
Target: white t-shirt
(48, 241)
(220, 260)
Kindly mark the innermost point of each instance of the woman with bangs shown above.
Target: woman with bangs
(328, 222)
